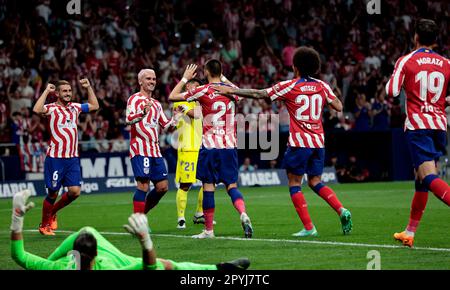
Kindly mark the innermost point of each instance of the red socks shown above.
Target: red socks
(47, 208)
(138, 206)
(440, 188)
(209, 218)
(417, 208)
(330, 197)
(239, 205)
(65, 200)
(302, 210)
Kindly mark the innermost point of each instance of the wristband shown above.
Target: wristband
(223, 78)
(184, 80)
(147, 243)
(16, 223)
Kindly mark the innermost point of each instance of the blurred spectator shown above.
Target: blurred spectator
(101, 144)
(352, 171)
(288, 53)
(380, 112)
(254, 39)
(247, 166)
(19, 128)
(397, 116)
(119, 144)
(362, 113)
(273, 164)
(44, 10)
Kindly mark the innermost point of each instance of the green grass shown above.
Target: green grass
(378, 209)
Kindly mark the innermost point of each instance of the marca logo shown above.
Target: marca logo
(9, 189)
(260, 178)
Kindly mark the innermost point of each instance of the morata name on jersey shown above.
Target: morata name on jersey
(429, 60)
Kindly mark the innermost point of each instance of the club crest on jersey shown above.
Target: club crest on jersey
(153, 123)
(276, 88)
(146, 170)
(67, 124)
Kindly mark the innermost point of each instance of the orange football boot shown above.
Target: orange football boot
(46, 230)
(404, 238)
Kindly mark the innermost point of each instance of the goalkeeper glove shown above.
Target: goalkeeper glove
(138, 226)
(19, 209)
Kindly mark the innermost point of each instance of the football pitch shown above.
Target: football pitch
(378, 210)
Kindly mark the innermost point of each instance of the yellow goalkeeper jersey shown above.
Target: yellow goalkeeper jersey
(189, 130)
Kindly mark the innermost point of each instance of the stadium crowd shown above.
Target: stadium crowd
(109, 42)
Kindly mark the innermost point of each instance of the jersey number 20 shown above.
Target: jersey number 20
(314, 104)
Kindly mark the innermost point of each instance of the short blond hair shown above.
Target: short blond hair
(143, 71)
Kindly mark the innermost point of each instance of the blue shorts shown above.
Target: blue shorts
(62, 172)
(152, 168)
(299, 161)
(218, 165)
(426, 145)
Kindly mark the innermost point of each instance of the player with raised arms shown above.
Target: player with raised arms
(305, 98)
(189, 130)
(424, 75)
(218, 159)
(62, 164)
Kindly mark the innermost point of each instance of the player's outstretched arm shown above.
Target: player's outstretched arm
(138, 227)
(39, 106)
(227, 81)
(20, 207)
(246, 93)
(92, 98)
(336, 104)
(189, 74)
(18, 253)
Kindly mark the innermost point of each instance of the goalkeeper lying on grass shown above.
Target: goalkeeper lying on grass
(87, 249)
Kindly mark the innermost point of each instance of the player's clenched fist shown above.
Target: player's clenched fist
(85, 83)
(147, 107)
(50, 88)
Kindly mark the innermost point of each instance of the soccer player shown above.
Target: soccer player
(218, 160)
(62, 165)
(189, 141)
(424, 76)
(145, 114)
(87, 249)
(305, 98)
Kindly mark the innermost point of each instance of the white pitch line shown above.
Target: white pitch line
(329, 243)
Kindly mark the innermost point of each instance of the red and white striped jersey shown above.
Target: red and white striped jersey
(424, 75)
(144, 133)
(304, 99)
(219, 117)
(63, 121)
